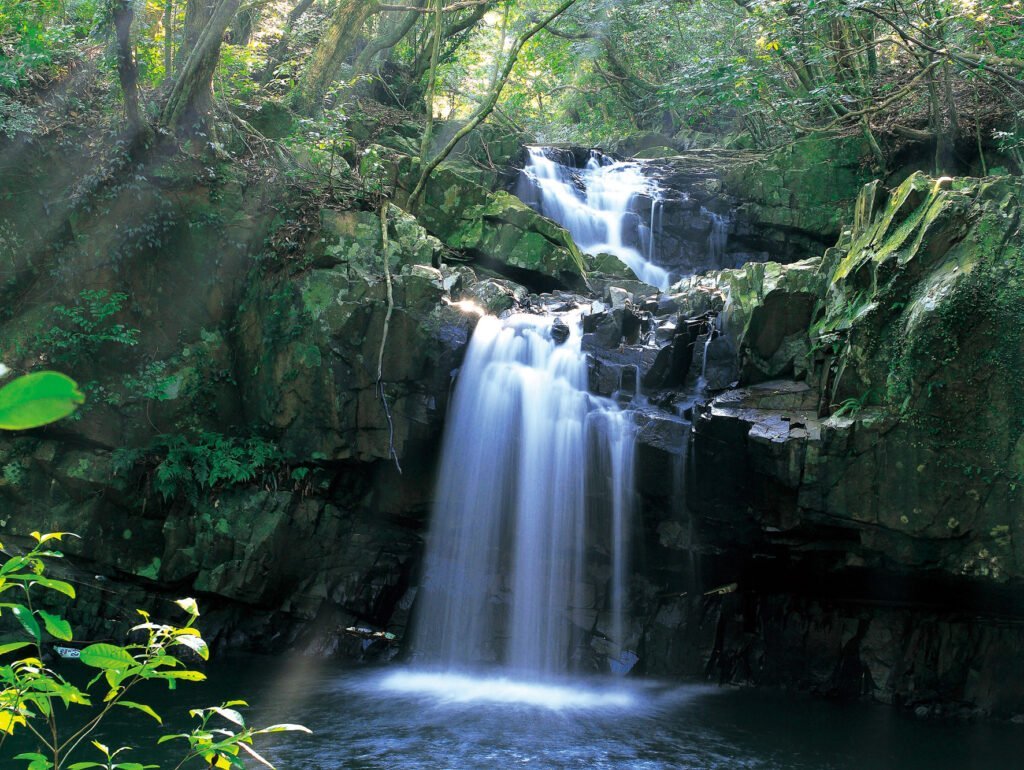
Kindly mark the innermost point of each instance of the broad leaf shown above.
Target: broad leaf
(195, 643)
(107, 656)
(230, 714)
(27, 620)
(55, 585)
(188, 676)
(56, 626)
(37, 761)
(189, 605)
(140, 707)
(283, 728)
(38, 399)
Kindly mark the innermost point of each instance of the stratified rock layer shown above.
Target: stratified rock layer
(885, 471)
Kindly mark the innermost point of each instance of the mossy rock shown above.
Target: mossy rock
(500, 231)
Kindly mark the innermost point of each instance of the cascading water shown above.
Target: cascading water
(600, 216)
(718, 238)
(536, 477)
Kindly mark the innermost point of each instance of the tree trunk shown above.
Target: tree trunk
(487, 105)
(197, 15)
(245, 27)
(127, 69)
(325, 62)
(388, 39)
(449, 36)
(168, 38)
(428, 97)
(190, 102)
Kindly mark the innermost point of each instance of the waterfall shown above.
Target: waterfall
(595, 204)
(718, 238)
(535, 485)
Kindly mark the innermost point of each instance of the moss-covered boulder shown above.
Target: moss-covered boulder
(312, 351)
(500, 231)
(766, 310)
(355, 238)
(799, 196)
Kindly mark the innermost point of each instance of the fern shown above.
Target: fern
(211, 461)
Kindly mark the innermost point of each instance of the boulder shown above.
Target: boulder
(500, 232)
(801, 194)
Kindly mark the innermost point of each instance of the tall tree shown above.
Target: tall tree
(333, 48)
(488, 103)
(123, 14)
(190, 104)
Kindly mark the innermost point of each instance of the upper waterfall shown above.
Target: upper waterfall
(596, 205)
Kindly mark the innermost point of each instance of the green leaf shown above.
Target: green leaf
(195, 643)
(230, 714)
(27, 620)
(56, 626)
(283, 728)
(254, 755)
(141, 707)
(55, 585)
(188, 676)
(107, 656)
(6, 648)
(37, 761)
(38, 399)
(41, 538)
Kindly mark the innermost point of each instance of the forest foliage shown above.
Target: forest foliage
(942, 72)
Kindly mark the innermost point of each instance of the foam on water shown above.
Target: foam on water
(461, 688)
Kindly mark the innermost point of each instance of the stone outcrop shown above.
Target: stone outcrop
(885, 467)
(799, 197)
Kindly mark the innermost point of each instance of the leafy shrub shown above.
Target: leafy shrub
(86, 326)
(32, 693)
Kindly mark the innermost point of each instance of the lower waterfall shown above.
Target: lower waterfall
(526, 560)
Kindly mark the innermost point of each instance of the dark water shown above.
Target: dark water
(383, 719)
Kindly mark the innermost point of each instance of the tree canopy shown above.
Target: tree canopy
(943, 72)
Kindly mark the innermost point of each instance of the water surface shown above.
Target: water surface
(398, 718)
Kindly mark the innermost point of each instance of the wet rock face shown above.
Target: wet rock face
(797, 199)
(850, 482)
(930, 662)
(268, 367)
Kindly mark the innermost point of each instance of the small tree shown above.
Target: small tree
(35, 698)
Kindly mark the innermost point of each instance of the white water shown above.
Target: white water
(600, 218)
(718, 238)
(535, 476)
(557, 696)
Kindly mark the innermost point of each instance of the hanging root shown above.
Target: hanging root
(384, 334)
